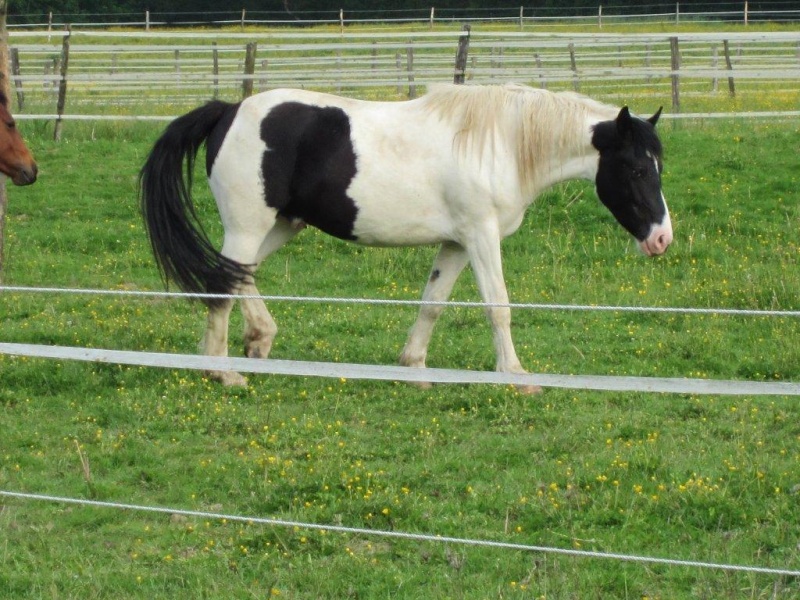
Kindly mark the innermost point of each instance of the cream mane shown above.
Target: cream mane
(537, 123)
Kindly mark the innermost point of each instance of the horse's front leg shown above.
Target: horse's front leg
(449, 262)
(486, 261)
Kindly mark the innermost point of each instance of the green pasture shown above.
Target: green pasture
(704, 478)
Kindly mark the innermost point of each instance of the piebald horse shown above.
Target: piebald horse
(456, 167)
(16, 160)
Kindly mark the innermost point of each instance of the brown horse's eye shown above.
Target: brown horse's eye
(11, 124)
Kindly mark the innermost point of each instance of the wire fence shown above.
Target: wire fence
(417, 537)
(394, 373)
(546, 17)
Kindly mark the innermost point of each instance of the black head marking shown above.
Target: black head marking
(629, 171)
(309, 164)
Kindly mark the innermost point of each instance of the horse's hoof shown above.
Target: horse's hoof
(258, 349)
(232, 379)
(529, 390)
(254, 352)
(423, 385)
(229, 378)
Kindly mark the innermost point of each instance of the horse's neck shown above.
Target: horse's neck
(580, 162)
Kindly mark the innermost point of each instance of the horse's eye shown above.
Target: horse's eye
(638, 173)
(11, 124)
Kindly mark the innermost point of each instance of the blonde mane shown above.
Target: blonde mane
(537, 123)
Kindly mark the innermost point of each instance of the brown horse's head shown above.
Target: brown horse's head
(15, 158)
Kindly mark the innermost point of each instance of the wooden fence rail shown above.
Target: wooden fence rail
(175, 71)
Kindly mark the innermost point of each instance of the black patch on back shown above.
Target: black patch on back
(217, 136)
(309, 165)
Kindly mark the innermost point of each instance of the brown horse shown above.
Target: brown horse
(16, 160)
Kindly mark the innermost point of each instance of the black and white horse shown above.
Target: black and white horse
(457, 167)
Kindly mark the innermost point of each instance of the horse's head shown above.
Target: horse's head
(629, 178)
(15, 158)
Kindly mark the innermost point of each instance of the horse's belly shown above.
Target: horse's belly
(400, 221)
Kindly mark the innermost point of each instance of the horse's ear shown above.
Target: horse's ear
(624, 121)
(654, 119)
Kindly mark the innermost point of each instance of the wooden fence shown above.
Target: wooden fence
(125, 73)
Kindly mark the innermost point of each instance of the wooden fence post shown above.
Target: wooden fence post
(244, 14)
(433, 15)
(4, 87)
(461, 55)
(56, 69)
(542, 79)
(147, 20)
(412, 87)
(249, 69)
(399, 67)
(714, 66)
(676, 65)
(215, 68)
(62, 85)
(576, 84)
(262, 82)
(729, 66)
(338, 71)
(17, 79)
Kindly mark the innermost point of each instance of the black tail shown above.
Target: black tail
(181, 247)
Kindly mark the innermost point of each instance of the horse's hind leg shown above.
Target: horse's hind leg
(215, 341)
(447, 266)
(259, 326)
(243, 247)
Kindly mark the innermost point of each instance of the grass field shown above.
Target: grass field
(687, 477)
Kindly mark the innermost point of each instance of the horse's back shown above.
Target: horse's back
(378, 173)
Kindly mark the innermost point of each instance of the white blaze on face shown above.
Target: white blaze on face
(660, 236)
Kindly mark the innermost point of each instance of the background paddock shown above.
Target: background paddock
(707, 478)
